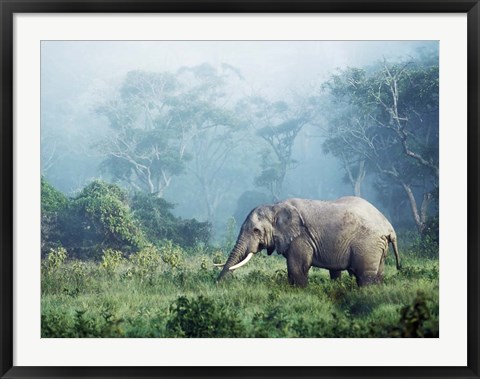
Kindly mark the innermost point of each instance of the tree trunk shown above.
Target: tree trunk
(420, 218)
(357, 180)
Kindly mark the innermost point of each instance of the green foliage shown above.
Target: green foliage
(99, 218)
(105, 210)
(111, 260)
(429, 241)
(171, 254)
(103, 217)
(145, 262)
(271, 323)
(55, 259)
(425, 244)
(383, 122)
(414, 320)
(204, 263)
(202, 317)
(83, 324)
(218, 257)
(53, 201)
(53, 207)
(192, 232)
(168, 291)
(158, 222)
(154, 214)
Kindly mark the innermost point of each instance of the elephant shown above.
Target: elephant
(345, 234)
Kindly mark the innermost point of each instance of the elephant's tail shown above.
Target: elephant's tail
(393, 240)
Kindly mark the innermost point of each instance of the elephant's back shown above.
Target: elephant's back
(343, 216)
(366, 211)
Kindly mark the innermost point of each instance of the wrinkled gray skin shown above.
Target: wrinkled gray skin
(345, 234)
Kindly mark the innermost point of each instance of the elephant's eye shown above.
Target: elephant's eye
(257, 231)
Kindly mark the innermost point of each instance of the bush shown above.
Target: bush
(171, 254)
(201, 317)
(100, 218)
(111, 260)
(82, 325)
(145, 262)
(271, 323)
(53, 206)
(414, 320)
(55, 258)
(157, 221)
(424, 245)
(103, 217)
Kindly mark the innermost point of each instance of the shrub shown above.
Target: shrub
(53, 206)
(201, 317)
(171, 254)
(414, 320)
(100, 218)
(158, 222)
(55, 258)
(103, 216)
(111, 260)
(420, 271)
(218, 257)
(271, 323)
(145, 262)
(192, 232)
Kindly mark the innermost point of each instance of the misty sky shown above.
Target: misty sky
(72, 69)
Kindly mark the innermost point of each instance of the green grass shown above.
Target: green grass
(172, 293)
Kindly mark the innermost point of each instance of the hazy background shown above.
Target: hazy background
(78, 78)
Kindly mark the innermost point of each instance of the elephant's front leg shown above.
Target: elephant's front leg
(299, 261)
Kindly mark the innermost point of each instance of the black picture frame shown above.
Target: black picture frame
(9, 8)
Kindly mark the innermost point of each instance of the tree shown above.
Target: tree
(277, 124)
(213, 133)
(348, 124)
(388, 122)
(169, 123)
(247, 202)
(146, 148)
(408, 96)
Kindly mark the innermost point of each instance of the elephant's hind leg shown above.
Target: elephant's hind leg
(366, 279)
(381, 270)
(335, 274)
(372, 276)
(368, 264)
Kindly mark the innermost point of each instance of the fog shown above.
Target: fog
(219, 162)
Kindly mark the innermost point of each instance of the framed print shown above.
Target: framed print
(239, 189)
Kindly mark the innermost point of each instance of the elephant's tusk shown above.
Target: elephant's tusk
(219, 264)
(244, 262)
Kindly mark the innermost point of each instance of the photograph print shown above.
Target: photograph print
(239, 189)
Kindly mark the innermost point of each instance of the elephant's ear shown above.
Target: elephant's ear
(288, 225)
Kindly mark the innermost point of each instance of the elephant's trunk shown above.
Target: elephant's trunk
(238, 254)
